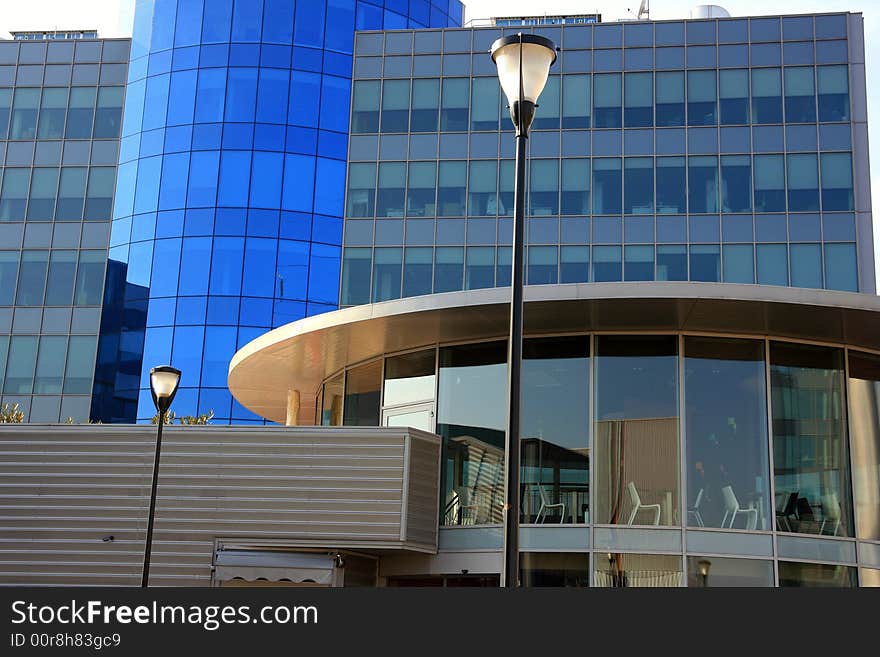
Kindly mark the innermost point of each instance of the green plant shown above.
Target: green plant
(185, 420)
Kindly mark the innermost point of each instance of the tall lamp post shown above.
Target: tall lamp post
(163, 386)
(523, 62)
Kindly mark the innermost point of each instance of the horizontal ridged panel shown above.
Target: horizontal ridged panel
(63, 489)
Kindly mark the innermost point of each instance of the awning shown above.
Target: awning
(274, 566)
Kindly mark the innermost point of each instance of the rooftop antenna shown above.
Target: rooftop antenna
(645, 10)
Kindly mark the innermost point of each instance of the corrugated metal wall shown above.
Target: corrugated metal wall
(65, 489)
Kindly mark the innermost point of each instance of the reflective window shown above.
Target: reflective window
(638, 263)
(409, 378)
(769, 183)
(5, 109)
(32, 278)
(387, 270)
(425, 106)
(24, 114)
(331, 402)
(471, 418)
(726, 431)
(607, 265)
(454, 105)
(803, 182)
(362, 386)
(701, 93)
(391, 191)
(607, 100)
(71, 194)
(417, 271)
(421, 187)
(816, 575)
(50, 365)
(20, 365)
(8, 278)
(574, 264)
(480, 267)
(90, 278)
(81, 113)
(607, 186)
(672, 263)
(542, 265)
(554, 569)
(739, 263)
(355, 284)
(733, 91)
(833, 90)
(841, 272)
(53, 109)
(806, 265)
(636, 430)
(361, 190)
(670, 98)
(575, 186)
(736, 183)
(395, 106)
(638, 185)
(671, 185)
(705, 263)
(448, 269)
(99, 200)
(547, 114)
(576, 101)
(766, 95)
(544, 187)
(451, 192)
(809, 440)
(41, 205)
(703, 184)
(108, 114)
(712, 572)
(60, 280)
(636, 570)
(864, 390)
(800, 95)
(482, 197)
(837, 181)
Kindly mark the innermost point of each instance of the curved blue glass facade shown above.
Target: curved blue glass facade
(229, 200)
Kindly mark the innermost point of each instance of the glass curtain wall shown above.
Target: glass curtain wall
(471, 418)
(636, 430)
(816, 575)
(726, 433)
(361, 404)
(555, 459)
(636, 570)
(864, 390)
(715, 572)
(810, 459)
(554, 569)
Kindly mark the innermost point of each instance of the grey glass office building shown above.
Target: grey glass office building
(731, 150)
(60, 114)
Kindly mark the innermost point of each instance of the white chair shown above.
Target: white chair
(638, 506)
(830, 513)
(545, 504)
(695, 509)
(467, 509)
(732, 509)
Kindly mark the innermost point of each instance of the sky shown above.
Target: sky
(114, 18)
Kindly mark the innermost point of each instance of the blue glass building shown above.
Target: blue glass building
(228, 213)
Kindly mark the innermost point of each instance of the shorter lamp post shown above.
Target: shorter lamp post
(163, 385)
(703, 566)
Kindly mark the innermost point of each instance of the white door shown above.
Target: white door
(417, 416)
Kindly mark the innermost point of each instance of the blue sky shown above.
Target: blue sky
(113, 18)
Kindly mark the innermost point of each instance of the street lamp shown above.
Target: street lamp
(523, 62)
(163, 386)
(703, 566)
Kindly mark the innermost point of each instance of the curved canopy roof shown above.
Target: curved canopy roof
(300, 355)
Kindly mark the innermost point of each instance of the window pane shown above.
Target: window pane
(816, 575)
(5, 110)
(607, 265)
(864, 390)
(361, 190)
(99, 201)
(480, 268)
(636, 570)
(80, 364)
(81, 113)
(736, 183)
(90, 278)
(575, 186)
(24, 114)
(13, 194)
(544, 187)
(53, 110)
(705, 263)
(809, 440)
(44, 183)
(21, 362)
(837, 181)
(800, 95)
(422, 185)
(702, 184)
(638, 185)
(769, 183)
(730, 572)
(574, 264)
(726, 429)
(50, 365)
(636, 430)
(417, 271)
(607, 100)
(362, 386)
(803, 183)
(607, 186)
(365, 106)
(485, 104)
(554, 569)
(733, 90)
(425, 106)
(390, 197)
(108, 116)
(638, 263)
(451, 191)
(62, 275)
(555, 441)
(638, 95)
(671, 185)
(542, 265)
(386, 274)
(670, 98)
(701, 98)
(806, 265)
(448, 269)
(8, 277)
(840, 267)
(395, 106)
(471, 417)
(672, 263)
(833, 84)
(331, 402)
(32, 278)
(71, 194)
(482, 197)
(766, 95)
(576, 101)
(454, 108)
(506, 171)
(356, 265)
(547, 114)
